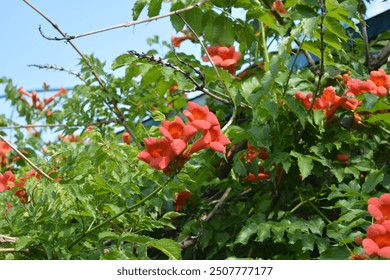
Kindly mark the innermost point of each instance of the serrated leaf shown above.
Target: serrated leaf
(316, 225)
(107, 235)
(122, 60)
(168, 246)
(305, 164)
(372, 180)
(335, 253)
(157, 116)
(23, 242)
(308, 242)
(246, 233)
(176, 22)
(154, 8)
(334, 26)
(309, 25)
(385, 117)
(138, 7)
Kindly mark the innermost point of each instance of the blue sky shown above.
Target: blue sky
(23, 45)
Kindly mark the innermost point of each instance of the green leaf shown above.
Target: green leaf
(138, 7)
(246, 233)
(122, 60)
(372, 180)
(385, 117)
(316, 225)
(305, 164)
(297, 108)
(23, 242)
(157, 116)
(309, 25)
(308, 242)
(220, 30)
(334, 26)
(335, 253)
(105, 235)
(249, 86)
(154, 8)
(176, 22)
(169, 247)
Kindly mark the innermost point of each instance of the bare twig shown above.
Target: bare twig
(57, 125)
(12, 250)
(219, 203)
(191, 240)
(6, 238)
(377, 61)
(78, 75)
(363, 28)
(116, 110)
(126, 24)
(36, 168)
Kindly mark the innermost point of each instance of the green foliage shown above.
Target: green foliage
(107, 204)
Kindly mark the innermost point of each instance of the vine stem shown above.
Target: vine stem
(36, 168)
(56, 125)
(126, 210)
(128, 24)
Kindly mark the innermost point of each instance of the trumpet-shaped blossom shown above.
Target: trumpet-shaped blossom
(262, 175)
(224, 57)
(126, 138)
(381, 81)
(279, 7)
(379, 208)
(177, 130)
(200, 117)
(6, 181)
(357, 86)
(4, 150)
(181, 199)
(212, 138)
(160, 153)
(342, 157)
(377, 242)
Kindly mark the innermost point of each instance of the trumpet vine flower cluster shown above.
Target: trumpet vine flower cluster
(171, 152)
(224, 57)
(8, 181)
(37, 103)
(377, 84)
(377, 241)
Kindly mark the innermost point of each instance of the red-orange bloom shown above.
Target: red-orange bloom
(126, 138)
(4, 150)
(342, 157)
(200, 116)
(381, 81)
(349, 101)
(379, 208)
(357, 86)
(181, 199)
(6, 181)
(177, 130)
(224, 57)
(278, 6)
(262, 175)
(213, 138)
(160, 153)
(377, 243)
